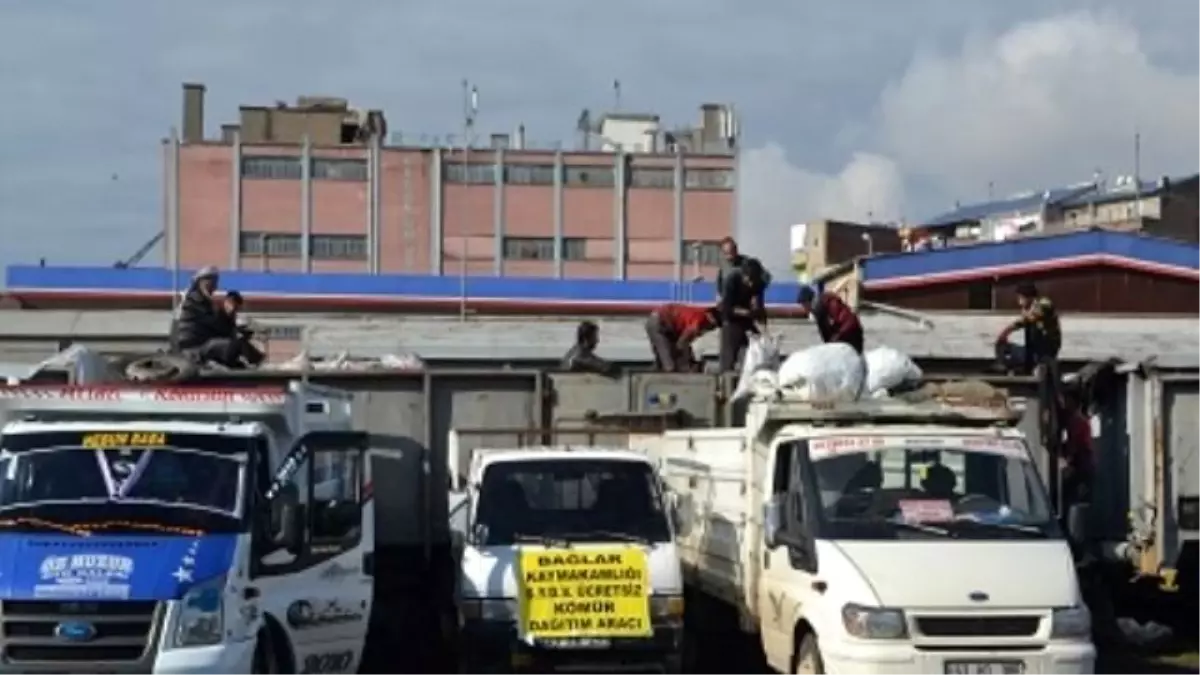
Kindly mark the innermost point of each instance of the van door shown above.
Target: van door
(785, 569)
(309, 575)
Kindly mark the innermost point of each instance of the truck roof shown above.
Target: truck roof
(299, 402)
(246, 429)
(972, 413)
(562, 452)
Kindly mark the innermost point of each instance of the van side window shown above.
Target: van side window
(785, 484)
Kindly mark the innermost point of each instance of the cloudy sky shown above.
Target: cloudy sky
(891, 108)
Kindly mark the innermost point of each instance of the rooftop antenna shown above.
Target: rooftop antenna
(1137, 170)
(991, 190)
(470, 110)
(616, 95)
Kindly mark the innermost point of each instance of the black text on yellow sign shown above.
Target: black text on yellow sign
(123, 439)
(594, 593)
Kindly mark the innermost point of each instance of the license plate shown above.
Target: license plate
(575, 643)
(985, 667)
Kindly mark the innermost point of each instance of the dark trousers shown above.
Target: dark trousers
(230, 352)
(733, 342)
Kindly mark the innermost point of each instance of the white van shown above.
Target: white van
(879, 537)
(569, 562)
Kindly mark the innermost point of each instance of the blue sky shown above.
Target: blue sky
(891, 108)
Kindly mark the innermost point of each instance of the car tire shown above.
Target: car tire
(266, 657)
(808, 656)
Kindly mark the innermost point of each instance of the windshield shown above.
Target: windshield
(570, 501)
(193, 472)
(955, 488)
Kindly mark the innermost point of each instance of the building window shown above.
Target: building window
(339, 247)
(574, 248)
(589, 176)
(270, 244)
(339, 169)
(708, 179)
(473, 174)
(542, 248)
(653, 178)
(278, 168)
(528, 248)
(322, 246)
(280, 332)
(702, 252)
(529, 174)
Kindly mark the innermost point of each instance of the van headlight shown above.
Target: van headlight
(200, 619)
(489, 609)
(874, 623)
(666, 607)
(1071, 622)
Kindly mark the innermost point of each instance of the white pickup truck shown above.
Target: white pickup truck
(569, 563)
(194, 529)
(878, 537)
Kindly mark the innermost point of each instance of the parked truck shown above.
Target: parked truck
(878, 536)
(202, 530)
(569, 562)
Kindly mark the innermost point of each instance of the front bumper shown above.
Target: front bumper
(495, 646)
(860, 657)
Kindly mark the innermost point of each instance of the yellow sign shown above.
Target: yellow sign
(137, 439)
(590, 593)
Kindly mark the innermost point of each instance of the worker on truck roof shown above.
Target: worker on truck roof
(740, 305)
(581, 357)
(1039, 320)
(201, 330)
(836, 322)
(672, 328)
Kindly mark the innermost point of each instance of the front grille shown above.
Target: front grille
(123, 629)
(978, 626)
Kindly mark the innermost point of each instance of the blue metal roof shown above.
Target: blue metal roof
(1011, 206)
(1113, 193)
(158, 280)
(1029, 252)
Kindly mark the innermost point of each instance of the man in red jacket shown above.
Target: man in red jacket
(836, 322)
(672, 328)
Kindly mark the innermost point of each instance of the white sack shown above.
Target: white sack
(828, 372)
(888, 368)
(761, 354)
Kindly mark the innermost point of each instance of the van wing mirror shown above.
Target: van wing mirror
(772, 520)
(287, 522)
(1077, 522)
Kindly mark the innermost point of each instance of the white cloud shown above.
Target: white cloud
(1040, 105)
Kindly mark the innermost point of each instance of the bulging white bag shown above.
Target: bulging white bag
(888, 368)
(828, 372)
(761, 354)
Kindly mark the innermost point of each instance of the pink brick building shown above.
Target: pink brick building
(287, 176)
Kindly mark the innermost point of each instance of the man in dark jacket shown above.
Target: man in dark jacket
(731, 261)
(200, 327)
(740, 309)
(836, 322)
(232, 326)
(581, 357)
(1039, 320)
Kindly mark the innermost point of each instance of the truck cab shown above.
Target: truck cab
(184, 530)
(569, 562)
(880, 537)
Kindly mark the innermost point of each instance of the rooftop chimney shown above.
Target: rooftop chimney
(193, 112)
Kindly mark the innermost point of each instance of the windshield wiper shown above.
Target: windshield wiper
(618, 536)
(920, 527)
(543, 539)
(1010, 527)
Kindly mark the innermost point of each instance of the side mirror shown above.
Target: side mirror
(1077, 522)
(772, 521)
(286, 526)
(679, 516)
(479, 534)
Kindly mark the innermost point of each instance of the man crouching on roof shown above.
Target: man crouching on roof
(203, 331)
